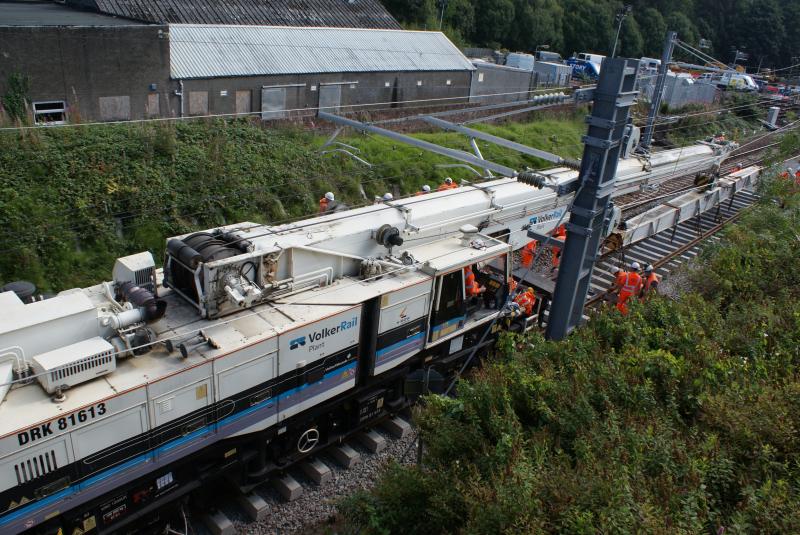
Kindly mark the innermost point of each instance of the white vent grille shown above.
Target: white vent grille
(144, 278)
(36, 467)
(74, 364)
(83, 365)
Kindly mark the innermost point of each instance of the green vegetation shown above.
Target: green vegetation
(765, 29)
(73, 199)
(740, 121)
(681, 418)
(16, 99)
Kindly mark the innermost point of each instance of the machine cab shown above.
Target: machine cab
(470, 286)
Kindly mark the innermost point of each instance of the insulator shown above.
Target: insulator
(532, 178)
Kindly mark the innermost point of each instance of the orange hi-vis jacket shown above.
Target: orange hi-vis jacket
(629, 283)
(526, 300)
(527, 254)
(445, 186)
(561, 234)
(470, 284)
(323, 205)
(650, 283)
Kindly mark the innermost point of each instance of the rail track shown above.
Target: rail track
(670, 248)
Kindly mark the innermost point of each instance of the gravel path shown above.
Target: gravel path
(317, 506)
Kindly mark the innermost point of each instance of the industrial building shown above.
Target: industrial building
(121, 60)
(284, 71)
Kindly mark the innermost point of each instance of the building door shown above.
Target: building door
(273, 103)
(330, 98)
(243, 100)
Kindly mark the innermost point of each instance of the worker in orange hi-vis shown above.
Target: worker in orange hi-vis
(650, 283)
(471, 286)
(425, 189)
(527, 254)
(526, 300)
(786, 174)
(560, 234)
(628, 283)
(325, 202)
(447, 184)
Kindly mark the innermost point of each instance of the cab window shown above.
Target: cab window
(449, 307)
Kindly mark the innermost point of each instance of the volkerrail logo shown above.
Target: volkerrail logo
(321, 334)
(546, 217)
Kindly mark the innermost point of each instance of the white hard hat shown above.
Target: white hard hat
(635, 266)
(448, 180)
(426, 188)
(789, 169)
(329, 195)
(648, 268)
(388, 196)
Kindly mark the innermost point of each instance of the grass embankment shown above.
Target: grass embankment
(73, 199)
(683, 417)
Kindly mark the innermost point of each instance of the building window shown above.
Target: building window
(115, 108)
(198, 102)
(419, 82)
(480, 77)
(387, 84)
(449, 82)
(50, 112)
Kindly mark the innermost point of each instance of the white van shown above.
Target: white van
(737, 81)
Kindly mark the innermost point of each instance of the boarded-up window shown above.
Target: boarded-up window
(152, 108)
(273, 103)
(244, 99)
(198, 102)
(115, 108)
(330, 98)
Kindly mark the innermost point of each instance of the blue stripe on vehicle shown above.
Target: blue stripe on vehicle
(44, 502)
(399, 348)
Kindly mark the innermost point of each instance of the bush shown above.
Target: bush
(681, 418)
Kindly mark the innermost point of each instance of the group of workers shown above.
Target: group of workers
(789, 173)
(630, 283)
(328, 200)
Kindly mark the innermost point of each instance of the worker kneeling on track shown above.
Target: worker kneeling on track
(628, 284)
(650, 283)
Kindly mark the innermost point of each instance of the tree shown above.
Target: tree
(589, 26)
(653, 29)
(632, 42)
(680, 23)
(495, 19)
(537, 22)
(761, 30)
(459, 15)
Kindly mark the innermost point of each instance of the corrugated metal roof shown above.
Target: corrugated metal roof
(328, 13)
(198, 51)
